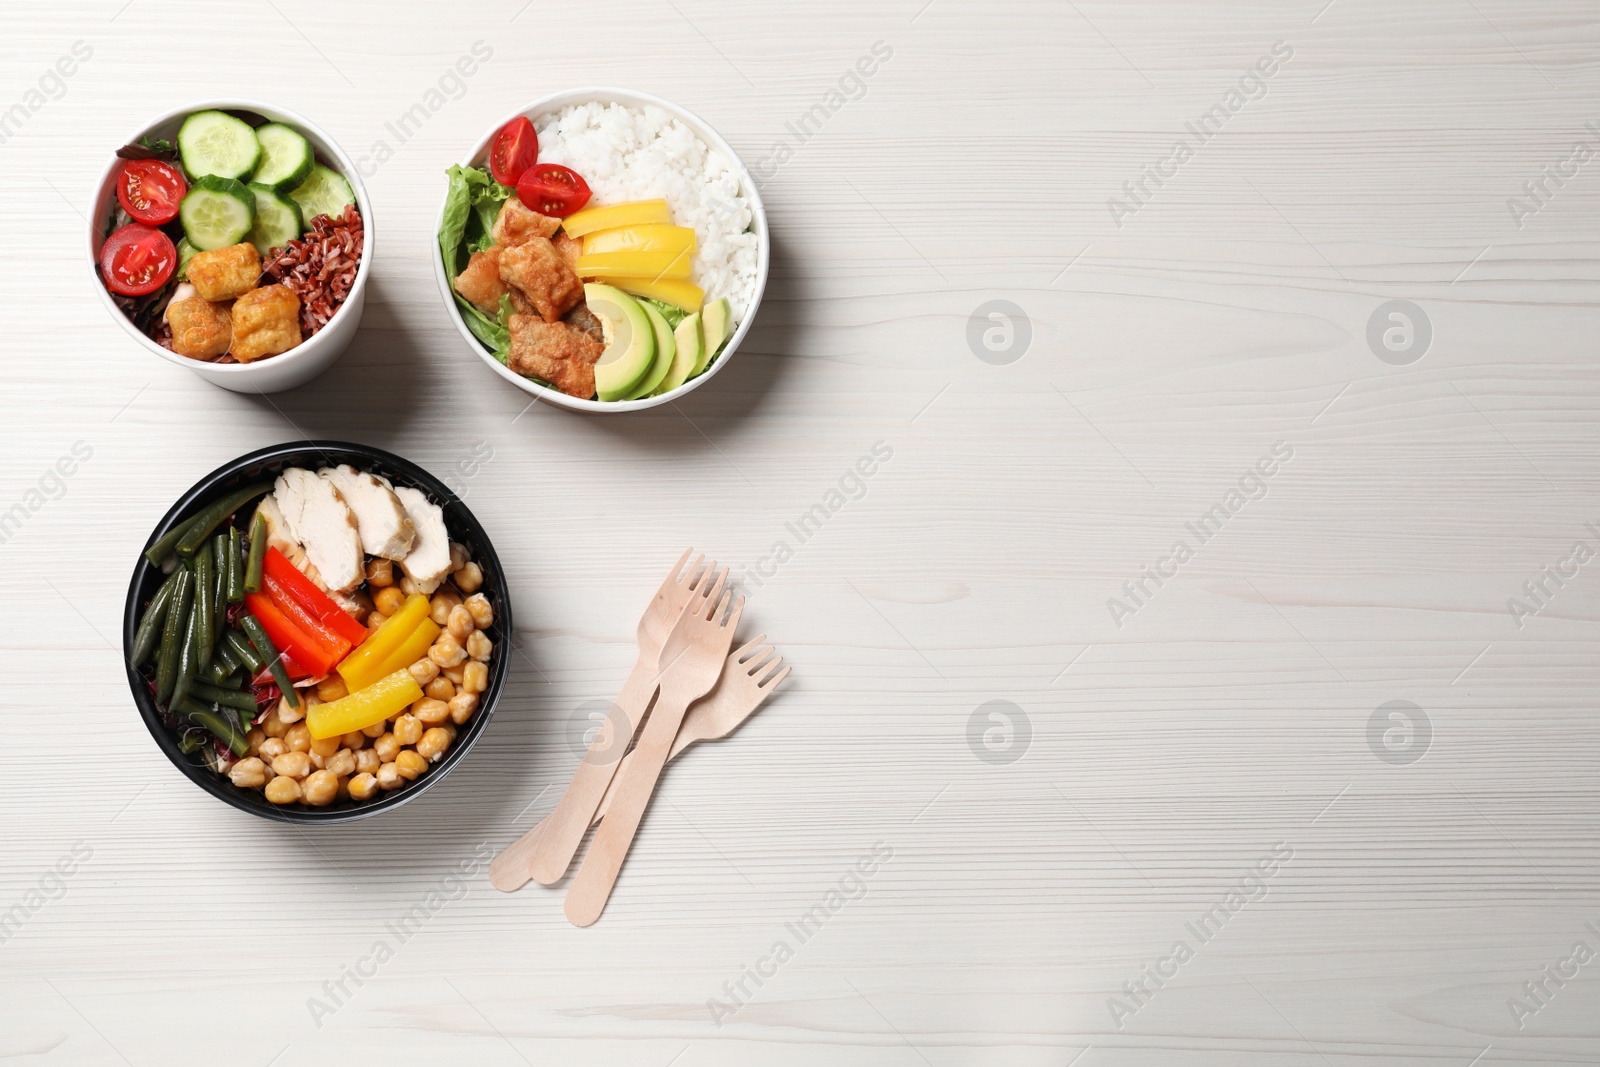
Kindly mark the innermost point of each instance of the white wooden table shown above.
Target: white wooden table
(1046, 855)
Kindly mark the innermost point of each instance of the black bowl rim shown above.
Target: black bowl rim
(205, 489)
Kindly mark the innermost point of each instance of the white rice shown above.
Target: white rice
(627, 153)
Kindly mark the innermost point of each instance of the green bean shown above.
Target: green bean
(205, 608)
(158, 552)
(189, 652)
(220, 725)
(191, 741)
(146, 638)
(219, 573)
(258, 552)
(211, 517)
(172, 635)
(235, 566)
(231, 681)
(225, 654)
(269, 652)
(217, 671)
(231, 698)
(244, 650)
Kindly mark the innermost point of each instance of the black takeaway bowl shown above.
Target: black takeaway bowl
(266, 463)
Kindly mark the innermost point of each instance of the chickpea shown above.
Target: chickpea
(424, 670)
(353, 740)
(299, 737)
(407, 729)
(326, 746)
(386, 747)
(376, 730)
(455, 674)
(458, 556)
(283, 790)
(272, 748)
(482, 613)
(430, 711)
(290, 714)
(475, 677)
(254, 739)
(273, 726)
(469, 579)
(320, 789)
(342, 763)
(380, 573)
(460, 623)
(376, 619)
(443, 602)
(367, 762)
(479, 647)
(433, 743)
(388, 600)
(389, 777)
(407, 586)
(440, 688)
(409, 764)
(447, 652)
(248, 773)
(462, 705)
(331, 688)
(292, 764)
(363, 786)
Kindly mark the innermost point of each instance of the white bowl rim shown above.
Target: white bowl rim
(758, 212)
(347, 171)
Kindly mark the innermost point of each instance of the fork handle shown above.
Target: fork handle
(591, 888)
(551, 845)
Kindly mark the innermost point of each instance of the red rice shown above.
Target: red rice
(320, 267)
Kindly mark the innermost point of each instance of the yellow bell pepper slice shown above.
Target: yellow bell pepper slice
(383, 699)
(635, 264)
(632, 213)
(414, 648)
(649, 237)
(674, 291)
(364, 666)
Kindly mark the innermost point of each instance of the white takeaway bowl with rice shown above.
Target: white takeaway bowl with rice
(679, 163)
(311, 357)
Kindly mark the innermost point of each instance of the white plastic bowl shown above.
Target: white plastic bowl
(555, 102)
(275, 373)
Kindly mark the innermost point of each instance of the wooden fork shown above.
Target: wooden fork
(691, 660)
(749, 677)
(546, 851)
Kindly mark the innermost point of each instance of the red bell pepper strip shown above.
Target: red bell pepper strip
(264, 676)
(307, 623)
(292, 641)
(319, 604)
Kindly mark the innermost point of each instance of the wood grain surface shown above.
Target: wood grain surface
(954, 880)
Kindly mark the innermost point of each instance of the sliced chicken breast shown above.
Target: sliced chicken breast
(315, 514)
(429, 560)
(381, 520)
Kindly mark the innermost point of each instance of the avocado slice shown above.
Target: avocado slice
(716, 318)
(630, 341)
(666, 349)
(690, 345)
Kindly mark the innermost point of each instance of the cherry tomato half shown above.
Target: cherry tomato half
(137, 260)
(551, 189)
(514, 149)
(150, 190)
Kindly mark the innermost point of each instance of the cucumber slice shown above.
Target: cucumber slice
(217, 212)
(211, 142)
(323, 192)
(277, 220)
(285, 158)
(186, 252)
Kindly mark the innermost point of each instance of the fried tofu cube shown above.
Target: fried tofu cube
(480, 284)
(517, 223)
(582, 318)
(560, 354)
(200, 328)
(536, 268)
(570, 248)
(266, 321)
(225, 273)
